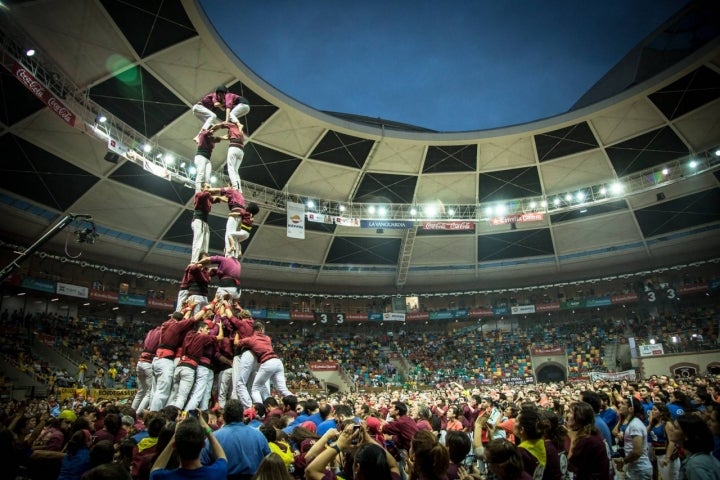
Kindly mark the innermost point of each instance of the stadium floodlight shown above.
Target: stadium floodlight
(617, 188)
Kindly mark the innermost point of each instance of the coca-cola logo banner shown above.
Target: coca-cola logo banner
(39, 90)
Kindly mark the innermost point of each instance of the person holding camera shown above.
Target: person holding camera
(369, 460)
(187, 442)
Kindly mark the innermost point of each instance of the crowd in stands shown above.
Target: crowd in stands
(467, 354)
(67, 438)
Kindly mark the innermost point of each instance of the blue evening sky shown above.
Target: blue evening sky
(449, 66)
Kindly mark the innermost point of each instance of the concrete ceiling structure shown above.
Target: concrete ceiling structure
(145, 63)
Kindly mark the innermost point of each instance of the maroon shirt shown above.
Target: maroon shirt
(236, 200)
(195, 280)
(206, 143)
(195, 343)
(232, 99)
(404, 428)
(209, 100)
(152, 340)
(224, 349)
(243, 326)
(203, 204)
(236, 137)
(259, 344)
(228, 270)
(173, 331)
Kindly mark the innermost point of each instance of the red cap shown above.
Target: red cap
(310, 426)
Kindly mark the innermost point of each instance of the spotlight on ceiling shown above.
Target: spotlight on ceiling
(617, 188)
(169, 159)
(371, 209)
(413, 211)
(693, 163)
(451, 212)
(310, 204)
(192, 170)
(382, 211)
(147, 148)
(30, 52)
(101, 118)
(213, 179)
(341, 208)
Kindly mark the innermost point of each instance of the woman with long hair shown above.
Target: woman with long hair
(696, 438)
(659, 428)
(587, 455)
(428, 459)
(272, 468)
(540, 456)
(636, 461)
(504, 461)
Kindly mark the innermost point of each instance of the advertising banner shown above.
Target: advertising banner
(38, 284)
(347, 222)
(296, 220)
(323, 366)
(134, 300)
(393, 317)
(650, 350)
(160, 304)
(389, 224)
(43, 94)
(72, 290)
(103, 296)
(522, 309)
(317, 218)
(450, 226)
(525, 217)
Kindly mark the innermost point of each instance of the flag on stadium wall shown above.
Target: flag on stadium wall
(296, 220)
(347, 222)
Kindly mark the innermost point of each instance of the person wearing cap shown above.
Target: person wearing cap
(270, 365)
(245, 446)
(203, 109)
(53, 436)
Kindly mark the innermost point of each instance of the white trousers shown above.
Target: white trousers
(205, 114)
(269, 370)
(225, 386)
(201, 238)
(203, 170)
(203, 382)
(232, 228)
(242, 369)
(163, 373)
(183, 383)
(145, 382)
(234, 159)
(239, 110)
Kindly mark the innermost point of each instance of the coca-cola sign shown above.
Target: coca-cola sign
(449, 225)
(39, 90)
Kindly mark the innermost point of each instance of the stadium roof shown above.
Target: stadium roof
(144, 64)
